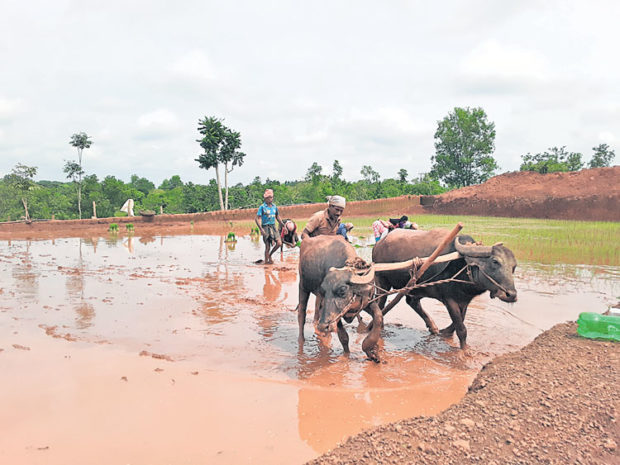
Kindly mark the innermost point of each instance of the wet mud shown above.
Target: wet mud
(179, 349)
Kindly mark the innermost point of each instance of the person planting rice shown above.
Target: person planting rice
(288, 233)
(344, 229)
(268, 214)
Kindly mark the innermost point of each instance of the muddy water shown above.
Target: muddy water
(181, 350)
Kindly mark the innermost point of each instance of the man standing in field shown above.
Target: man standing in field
(325, 221)
(268, 213)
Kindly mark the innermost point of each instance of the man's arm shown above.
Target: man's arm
(278, 218)
(260, 228)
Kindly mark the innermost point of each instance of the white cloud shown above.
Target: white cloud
(193, 65)
(607, 137)
(9, 108)
(157, 124)
(494, 60)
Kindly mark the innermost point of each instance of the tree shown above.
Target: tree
(464, 143)
(221, 147)
(402, 175)
(142, 184)
(369, 175)
(21, 179)
(75, 172)
(231, 156)
(173, 182)
(602, 157)
(337, 171)
(314, 173)
(555, 159)
(80, 141)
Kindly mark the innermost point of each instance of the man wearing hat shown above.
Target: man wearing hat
(268, 213)
(325, 221)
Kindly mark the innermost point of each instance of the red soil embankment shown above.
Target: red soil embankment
(589, 195)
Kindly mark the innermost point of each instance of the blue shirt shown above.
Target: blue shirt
(267, 214)
(342, 230)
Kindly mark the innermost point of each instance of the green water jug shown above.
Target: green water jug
(597, 326)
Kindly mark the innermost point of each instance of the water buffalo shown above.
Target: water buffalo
(337, 296)
(479, 269)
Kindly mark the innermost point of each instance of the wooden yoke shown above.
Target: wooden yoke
(428, 262)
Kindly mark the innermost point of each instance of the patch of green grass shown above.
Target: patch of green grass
(113, 227)
(537, 240)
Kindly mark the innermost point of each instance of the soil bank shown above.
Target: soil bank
(553, 402)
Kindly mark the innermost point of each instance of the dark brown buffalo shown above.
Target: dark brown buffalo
(482, 268)
(339, 294)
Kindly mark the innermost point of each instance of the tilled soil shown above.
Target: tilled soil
(553, 402)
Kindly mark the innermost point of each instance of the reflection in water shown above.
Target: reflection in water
(75, 284)
(85, 314)
(128, 244)
(272, 287)
(218, 291)
(25, 273)
(147, 239)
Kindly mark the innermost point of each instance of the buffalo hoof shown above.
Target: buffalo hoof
(447, 332)
(372, 356)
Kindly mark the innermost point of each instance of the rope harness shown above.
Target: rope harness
(380, 292)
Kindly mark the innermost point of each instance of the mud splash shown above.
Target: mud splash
(180, 349)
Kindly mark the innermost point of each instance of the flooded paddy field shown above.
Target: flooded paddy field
(178, 349)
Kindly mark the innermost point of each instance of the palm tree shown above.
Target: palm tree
(80, 141)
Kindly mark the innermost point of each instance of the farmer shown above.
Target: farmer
(288, 233)
(268, 213)
(343, 229)
(325, 221)
(381, 228)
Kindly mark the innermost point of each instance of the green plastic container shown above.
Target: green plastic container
(597, 326)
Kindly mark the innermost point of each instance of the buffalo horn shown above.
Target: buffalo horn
(364, 278)
(476, 251)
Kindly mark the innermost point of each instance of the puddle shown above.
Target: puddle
(180, 349)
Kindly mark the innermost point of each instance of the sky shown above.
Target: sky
(361, 82)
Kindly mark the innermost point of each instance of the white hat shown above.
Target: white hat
(337, 201)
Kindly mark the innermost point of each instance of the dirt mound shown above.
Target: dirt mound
(514, 412)
(592, 194)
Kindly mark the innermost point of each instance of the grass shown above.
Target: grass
(536, 240)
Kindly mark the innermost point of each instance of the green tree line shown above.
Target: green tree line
(47, 198)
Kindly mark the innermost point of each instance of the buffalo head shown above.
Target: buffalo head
(492, 268)
(346, 291)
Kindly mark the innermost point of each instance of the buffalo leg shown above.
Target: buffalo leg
(414, 303)
(449, 330)
(317, 307)
(343, 336)
(301, 311)
(370, 342)
(457, 320)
